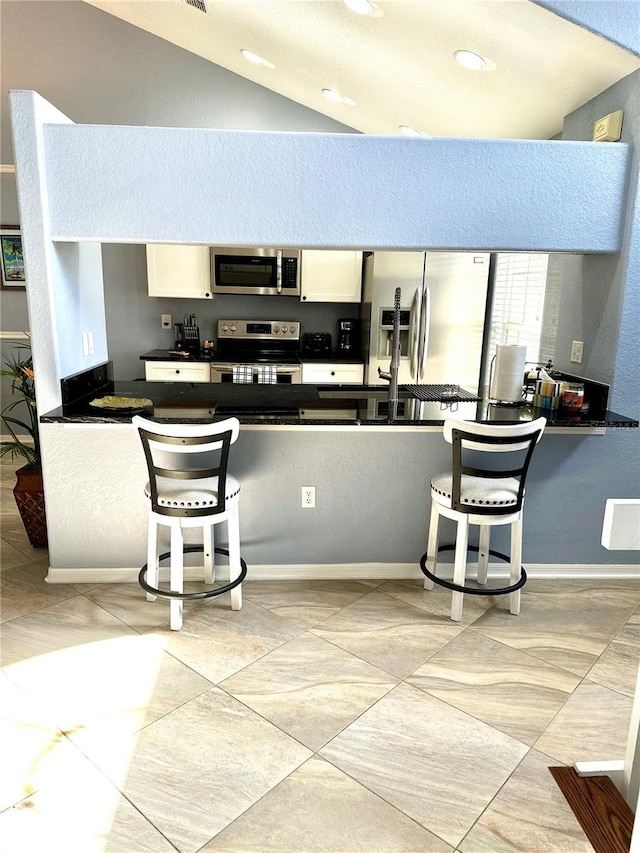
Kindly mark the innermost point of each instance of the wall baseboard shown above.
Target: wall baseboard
(353, 571)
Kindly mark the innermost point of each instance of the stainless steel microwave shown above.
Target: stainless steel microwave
(264, 272)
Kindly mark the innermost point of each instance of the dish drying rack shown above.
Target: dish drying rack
(440, 393)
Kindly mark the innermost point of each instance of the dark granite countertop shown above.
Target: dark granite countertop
(346, 405)
(168, 355)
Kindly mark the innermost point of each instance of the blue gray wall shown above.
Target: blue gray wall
(99, 69)
(64, 49)
(616, 20)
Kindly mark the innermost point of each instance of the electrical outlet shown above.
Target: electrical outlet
(576, 351)
(308, 497)
(165, 321)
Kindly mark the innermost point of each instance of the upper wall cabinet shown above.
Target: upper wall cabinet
(330, 276)
(177, 270)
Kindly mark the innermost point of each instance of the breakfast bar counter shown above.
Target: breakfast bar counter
(304, 406)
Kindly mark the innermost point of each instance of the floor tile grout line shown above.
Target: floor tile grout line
(535, 657)
(583, 679)
(279, 727)
(528, 653)
(117, 788)
(12, 619)
(251, 805)
(380, 796)
(500, 789)
(378, 666)
(607, 687)
(493, 726)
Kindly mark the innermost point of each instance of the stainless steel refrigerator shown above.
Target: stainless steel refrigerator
(443, 305)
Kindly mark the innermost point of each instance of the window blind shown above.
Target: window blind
(518, 302)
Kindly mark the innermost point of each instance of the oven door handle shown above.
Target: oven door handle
(279, 271)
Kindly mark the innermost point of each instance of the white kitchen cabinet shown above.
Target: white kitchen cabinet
(178, 270)
(332, 373)
(327, 276)
(176, 371)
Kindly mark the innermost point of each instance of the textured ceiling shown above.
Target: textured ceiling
(398, 67)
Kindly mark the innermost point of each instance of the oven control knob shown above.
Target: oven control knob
(292, 329)
(233, 328)
(225, 328)
(276, 328)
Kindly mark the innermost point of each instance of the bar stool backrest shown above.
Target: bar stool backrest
(486, 438)
(169, 452)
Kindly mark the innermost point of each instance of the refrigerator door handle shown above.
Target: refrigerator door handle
(425, 322)
(414, 340)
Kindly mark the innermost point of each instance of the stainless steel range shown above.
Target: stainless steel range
(257, 351)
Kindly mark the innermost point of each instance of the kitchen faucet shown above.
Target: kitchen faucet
(392, 375)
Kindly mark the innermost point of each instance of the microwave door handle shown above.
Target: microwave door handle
(424, 331)
(414, 325)
(279, 271)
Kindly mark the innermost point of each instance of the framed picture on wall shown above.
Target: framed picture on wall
(11, 259)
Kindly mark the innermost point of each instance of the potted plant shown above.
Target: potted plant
(28, 491)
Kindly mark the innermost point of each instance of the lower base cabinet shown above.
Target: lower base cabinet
(332, 373)
(175, 371)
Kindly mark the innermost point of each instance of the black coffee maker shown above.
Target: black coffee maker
(349, 337)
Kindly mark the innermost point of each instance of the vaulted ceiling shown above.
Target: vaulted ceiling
(396, 66)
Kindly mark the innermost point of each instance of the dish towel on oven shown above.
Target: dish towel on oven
(267, 374)
(242, 373)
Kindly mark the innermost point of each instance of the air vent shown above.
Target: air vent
(197, 4)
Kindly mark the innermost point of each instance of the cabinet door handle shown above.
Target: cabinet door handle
(177, 371)
(333, 373)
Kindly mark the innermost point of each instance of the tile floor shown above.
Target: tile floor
(325, 716)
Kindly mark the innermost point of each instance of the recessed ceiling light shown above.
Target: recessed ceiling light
(363, 7)
(337, 97)
(250, 56)
(470, 60)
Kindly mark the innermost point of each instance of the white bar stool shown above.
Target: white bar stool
(189, 487)
(486, 496)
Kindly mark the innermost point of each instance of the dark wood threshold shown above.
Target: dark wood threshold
(600, 808)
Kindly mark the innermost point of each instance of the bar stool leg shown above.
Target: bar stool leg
(483, 552)
(233, 528)
(152, 557)
(432, 544)
(459, 569)
(177, 575)
(208, 542)
(516, 562)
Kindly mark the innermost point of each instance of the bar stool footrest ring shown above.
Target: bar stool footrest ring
(467, 590)
(192, 596)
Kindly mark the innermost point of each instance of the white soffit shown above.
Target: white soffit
(399, 67)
